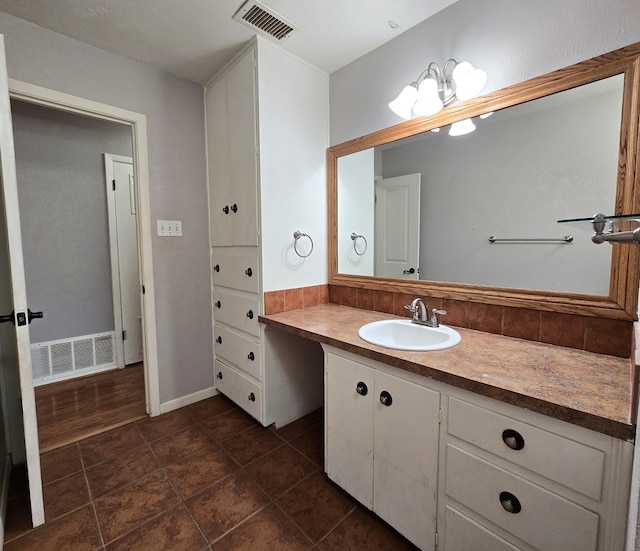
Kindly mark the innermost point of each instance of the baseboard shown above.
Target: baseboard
(4, 497)
(178, 403)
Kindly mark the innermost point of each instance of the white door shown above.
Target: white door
(121, 193)
(13, 298)
(397, 227)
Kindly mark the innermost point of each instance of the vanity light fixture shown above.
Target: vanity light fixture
(460, 128)
(435, 88)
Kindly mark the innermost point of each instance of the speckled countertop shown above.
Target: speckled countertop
(591, 390)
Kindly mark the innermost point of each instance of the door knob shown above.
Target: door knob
(234, 207)
(250, 314)
(361, 388)
(216, 268)
(225, 209)
(385, 398)
(219, 340)
(251, 356)
(219, 375)
(510, 503)
(218, 304)
(9, 318)
(249, 272)
(252, 397)
(34, 315)
(513, 439)
(409, 271)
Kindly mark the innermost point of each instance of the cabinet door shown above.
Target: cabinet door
(349, 407)
(243, 163)
(406, 457)
(218, 162)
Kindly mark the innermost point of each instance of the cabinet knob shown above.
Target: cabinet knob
(218, 304)
(251, 356)
(250, 314)
(513, 439)
(510, 503)
(225, 209)
(249, 272)
(216, 268)
(385, 398)
(234, 207)
(219, 375)
(361, 388)
(252, 397)
(219, 340)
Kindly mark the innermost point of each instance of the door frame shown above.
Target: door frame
(61, 101)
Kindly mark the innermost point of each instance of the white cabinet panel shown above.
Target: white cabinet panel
(241, 390)
(463, 534)
(239, 351)
(573, 464)
(547, 521)
(349, 407)
(238, 272)
(237, 310)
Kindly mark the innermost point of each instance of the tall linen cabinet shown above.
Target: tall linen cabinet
(267, 133)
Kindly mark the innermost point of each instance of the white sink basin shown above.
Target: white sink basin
(404, 335)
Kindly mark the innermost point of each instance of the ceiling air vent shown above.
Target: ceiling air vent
(263, 19)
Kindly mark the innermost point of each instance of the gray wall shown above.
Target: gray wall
(175, 125)
(512, 41)
(63, 210)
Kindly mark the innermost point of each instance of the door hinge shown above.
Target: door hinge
(143, 290)
(124, 335)
(113, 183)
(437, 539)
(439, 416)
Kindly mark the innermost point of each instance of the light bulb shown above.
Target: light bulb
(403, 104)
(428, 101)
(462, 127)
(469, 81)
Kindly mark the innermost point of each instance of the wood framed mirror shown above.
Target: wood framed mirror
(621, 268)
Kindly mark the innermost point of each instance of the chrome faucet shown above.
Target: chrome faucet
(420, 309)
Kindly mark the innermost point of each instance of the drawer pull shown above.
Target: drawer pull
(249, 272)
(361, 388)
(219, 375)
(218, 304)
(250, 314)
(219, 340)
(251, 356)
(513, 439)
(510, 503)
(252, 397)
(216, 268)
(385, 398)
(225, 209)
(234, 207)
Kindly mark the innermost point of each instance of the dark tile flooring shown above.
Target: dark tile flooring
(203, 477)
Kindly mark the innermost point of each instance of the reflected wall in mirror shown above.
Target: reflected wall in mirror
(558, 146)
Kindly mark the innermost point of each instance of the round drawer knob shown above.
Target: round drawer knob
(510, 503)
(251, 356)
(513, 439)
(219, 375)
(218, 304)
(216, 268)
(385, 398)
(361, 388)
(225, 209)
(234, 207)
(219, 340)
(249, 272)
(250, 314)
(252, 397)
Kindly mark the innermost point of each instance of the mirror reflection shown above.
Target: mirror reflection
(425, 207)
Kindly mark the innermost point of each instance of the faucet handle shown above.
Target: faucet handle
(410, 307)
(434, 316)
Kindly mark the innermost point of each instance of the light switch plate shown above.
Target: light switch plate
(170, 228)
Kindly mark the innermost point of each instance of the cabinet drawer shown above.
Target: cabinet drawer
(546, 521)
(243, 353)
(463, 534)
(570, 463)
(238, 388)
(237, 272)
(237, 311)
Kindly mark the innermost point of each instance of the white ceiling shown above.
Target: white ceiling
(193, 39)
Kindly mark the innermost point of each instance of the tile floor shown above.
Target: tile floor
(203, 477)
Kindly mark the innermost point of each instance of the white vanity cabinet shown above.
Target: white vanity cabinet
(256, 156)
(381, 443)
(453, 470)
(538, 483)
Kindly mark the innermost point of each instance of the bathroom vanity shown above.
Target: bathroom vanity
(495, 444)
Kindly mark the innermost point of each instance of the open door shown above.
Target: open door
(15, 354)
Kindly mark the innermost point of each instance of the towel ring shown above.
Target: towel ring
(354, 238)
(296, 236)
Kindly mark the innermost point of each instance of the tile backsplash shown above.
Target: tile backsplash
(599, 335)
